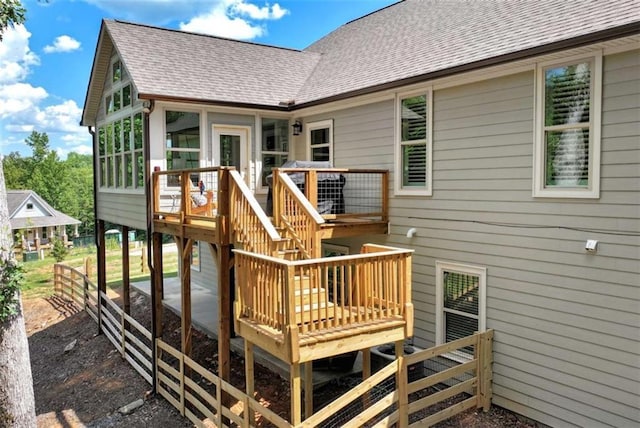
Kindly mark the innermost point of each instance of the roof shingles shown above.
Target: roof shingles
(409, 39)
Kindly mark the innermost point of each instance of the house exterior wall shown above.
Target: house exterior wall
(566, 346)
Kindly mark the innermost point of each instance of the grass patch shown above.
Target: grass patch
(38, 274)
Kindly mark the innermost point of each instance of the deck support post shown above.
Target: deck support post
(102, 270)
(184, 248)
(249, 373)
(401, 382)
(157, 279)
(296, 405)
(126, 277)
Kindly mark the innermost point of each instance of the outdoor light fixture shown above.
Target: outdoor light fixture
(297, 127)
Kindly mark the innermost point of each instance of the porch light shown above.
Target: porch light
(297, 127)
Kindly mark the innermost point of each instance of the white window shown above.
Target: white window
(274, 148)
(413, 144)
(183, 143)
(460, 301)
(320, 141)
(120, 153)
(567, 145)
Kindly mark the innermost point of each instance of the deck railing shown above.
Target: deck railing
(186, 194)
(294, 213)
(324, 294)
(250, 226)
(338, 193)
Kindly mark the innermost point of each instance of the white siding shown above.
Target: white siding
(567, 342)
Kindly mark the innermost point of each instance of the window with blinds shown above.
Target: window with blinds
(460, 299)
(413, 151)
(567, 114)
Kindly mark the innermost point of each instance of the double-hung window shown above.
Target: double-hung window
(183, 142)
(568, 108)
(320, 141)
(413, 144)
(275, 146)
(460, 301)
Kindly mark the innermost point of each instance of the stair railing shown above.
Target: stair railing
(250, 225)
(293, 212)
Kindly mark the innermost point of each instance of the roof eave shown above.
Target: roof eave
(575, 42)
(244, 105)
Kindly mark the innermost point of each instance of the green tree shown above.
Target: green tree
(11, 13)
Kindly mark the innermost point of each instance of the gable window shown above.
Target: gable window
(413, 144)
(567, 155)
(183, 142)
(274, 147)
(320, 141)
(460, 301)
(29, 206)
(121, 163)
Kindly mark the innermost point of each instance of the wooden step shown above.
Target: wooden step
(289, 254)
(310, 296)
(317, 311)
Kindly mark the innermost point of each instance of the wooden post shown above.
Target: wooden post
(224, 275)
(366, 373)
(156, 283)
(184, 248)
(296, 405)
(126, 278)
(311, 187)
(401, 386)
(102, 270)
(249, 374)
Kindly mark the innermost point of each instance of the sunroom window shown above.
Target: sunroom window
(568, 117)
(460, 301)
(413, 149)
(120, 153)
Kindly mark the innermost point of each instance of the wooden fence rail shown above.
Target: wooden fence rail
(127, 335)
(388, 397)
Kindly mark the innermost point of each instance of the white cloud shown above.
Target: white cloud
(63, 44)
(22, 105)
(15, 56)
(225, 19)
(255, 12)
(156, 12)
(19, 98)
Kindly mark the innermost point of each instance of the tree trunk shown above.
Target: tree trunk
(17, 405)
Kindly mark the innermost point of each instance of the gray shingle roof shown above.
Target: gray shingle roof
(419, 37)
(17, 198)
(176, 64)
(408, 41)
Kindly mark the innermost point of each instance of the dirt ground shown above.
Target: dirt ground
(87, 385)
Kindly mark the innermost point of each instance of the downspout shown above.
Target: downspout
(96, 239)
(146, 112)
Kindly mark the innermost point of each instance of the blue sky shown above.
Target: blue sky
(45, 63)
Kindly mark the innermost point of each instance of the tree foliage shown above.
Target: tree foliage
(67, 185)
(11, 13)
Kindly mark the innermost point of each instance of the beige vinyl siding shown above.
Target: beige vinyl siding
(567, 342)
(123, 209)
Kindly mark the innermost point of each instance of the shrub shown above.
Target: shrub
(59, 251)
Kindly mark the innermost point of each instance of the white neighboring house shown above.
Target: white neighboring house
(36, 221)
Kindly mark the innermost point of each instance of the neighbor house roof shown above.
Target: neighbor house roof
(409, 41)
(17, 199)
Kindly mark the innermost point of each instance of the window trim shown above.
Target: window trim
(592, 191)
(201, 138)
(481, 272)
(322, 124)
(399, 190)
